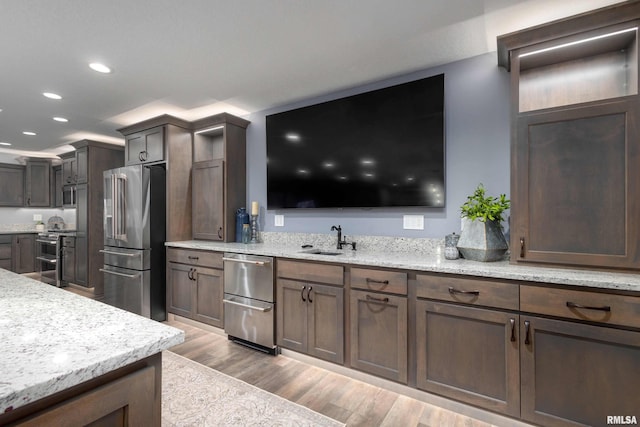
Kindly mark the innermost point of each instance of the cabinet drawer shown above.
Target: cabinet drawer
(312, 272)
(68, 242)
(6, 238)
(194, 257)
(487, 293)
(581, 305)
(394, 282)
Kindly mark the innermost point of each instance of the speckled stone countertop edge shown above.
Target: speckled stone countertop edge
(433, 262)
(50, 342)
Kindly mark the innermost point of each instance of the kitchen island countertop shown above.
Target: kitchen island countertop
(433, 261)
(53, 339)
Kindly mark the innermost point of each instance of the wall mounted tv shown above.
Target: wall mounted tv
(383, 148)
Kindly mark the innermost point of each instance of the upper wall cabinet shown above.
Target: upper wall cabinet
(575, 180)
(37, 192)
(11, 185)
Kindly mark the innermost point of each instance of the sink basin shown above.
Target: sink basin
(320, 252)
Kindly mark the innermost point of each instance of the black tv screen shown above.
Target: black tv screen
(382, 148)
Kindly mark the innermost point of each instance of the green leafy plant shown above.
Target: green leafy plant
(482, 207)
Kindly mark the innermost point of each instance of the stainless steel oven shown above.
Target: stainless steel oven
(48, 258)
(249, 300)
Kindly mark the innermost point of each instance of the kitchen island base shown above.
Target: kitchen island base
(128, 396)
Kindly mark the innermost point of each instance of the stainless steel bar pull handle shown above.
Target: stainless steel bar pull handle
(115, 273)
(250, 307)
(116, 253)
(246, 261)
(112, 230)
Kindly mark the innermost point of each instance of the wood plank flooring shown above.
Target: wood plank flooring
(347, 400)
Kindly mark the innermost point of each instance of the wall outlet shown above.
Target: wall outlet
(37, 217)
(279, 220)
(413, 222)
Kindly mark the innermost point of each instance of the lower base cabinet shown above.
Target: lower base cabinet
(379, 334)
(128, 397)
(310, 319)
(194, 289)
(469, 354)
(24, 249)
(577, 374)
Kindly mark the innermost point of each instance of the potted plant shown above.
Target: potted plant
(482, 238)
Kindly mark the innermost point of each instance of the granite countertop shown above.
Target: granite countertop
(53, 339)
(431, 261)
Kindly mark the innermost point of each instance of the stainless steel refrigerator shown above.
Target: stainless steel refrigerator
(134, 236)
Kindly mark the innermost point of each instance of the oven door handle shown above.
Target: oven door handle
(128, 276)
(260, 309)
(246, 261)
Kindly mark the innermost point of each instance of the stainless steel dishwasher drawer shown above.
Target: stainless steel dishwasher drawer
(249, 319)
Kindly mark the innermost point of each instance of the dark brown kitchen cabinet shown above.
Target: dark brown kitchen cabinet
(56, 190)
(91, 159)
(469, 354)
(574, 190)
(379, 334)
(82, 164)
(195, 286)
(24, 253)
(468, 341)
(378, 307)
(68, 267)
(311, 319)
(145, 147)
(12, 185)
(208, 201)
(310, 315)
(69, 168)
(219, 176)
(82, 230)
(37, 189)
(6, 251)
(166, 140)
(577, 374)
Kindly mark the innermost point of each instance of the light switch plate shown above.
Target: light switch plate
(37, 217)
(279, 220)
(413, 222)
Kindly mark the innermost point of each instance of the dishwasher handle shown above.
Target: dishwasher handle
(251, 307)
(246, 261)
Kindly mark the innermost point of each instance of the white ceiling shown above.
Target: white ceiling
(194, 58)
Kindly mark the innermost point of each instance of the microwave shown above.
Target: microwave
(69, 196)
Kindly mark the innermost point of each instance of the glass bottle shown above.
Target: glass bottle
(246, 233)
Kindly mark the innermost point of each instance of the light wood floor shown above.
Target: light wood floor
(347, 400)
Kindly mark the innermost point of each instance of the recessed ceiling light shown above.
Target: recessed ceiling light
(60, 119)
(26, 132)
(5, 143)
(51, 95)
(101, 68)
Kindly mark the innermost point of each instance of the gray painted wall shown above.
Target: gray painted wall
(477, 151)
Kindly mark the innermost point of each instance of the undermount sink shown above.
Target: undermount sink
(320, 252)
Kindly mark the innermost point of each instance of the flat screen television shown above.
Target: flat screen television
(383, 148)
